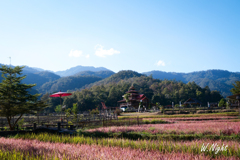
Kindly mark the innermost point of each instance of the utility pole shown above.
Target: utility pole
(11, 81)
(10, 61)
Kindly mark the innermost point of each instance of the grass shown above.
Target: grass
(19, 155)
(171, 136)
(124, 122)
(34, 149)
(14, 155)
(179, 116)
(210, 127)
(192, 147)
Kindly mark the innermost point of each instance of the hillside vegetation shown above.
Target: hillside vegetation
(101, 74)
(47, 81)
(40, 78)
(70, 83)
(121, 75)
(219, 80)
(111, 89)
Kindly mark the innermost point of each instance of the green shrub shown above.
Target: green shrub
(118, 111)
(94, 111)
(20, 123)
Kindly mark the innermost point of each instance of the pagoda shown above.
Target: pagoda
(134, 99)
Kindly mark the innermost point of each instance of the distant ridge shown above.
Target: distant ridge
(220, 80)
(34, 76)
(102, 74)
(77, 69)
(26, 69)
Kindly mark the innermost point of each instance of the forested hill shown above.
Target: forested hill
(73, 83)
(102, 74)
(219, 80)
(163, 91)
(121, 75)
(26, 69)
(35, 76)
(40, 78)
(70, 83)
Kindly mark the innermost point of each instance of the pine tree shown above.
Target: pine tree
(15, 99)
(236, 89)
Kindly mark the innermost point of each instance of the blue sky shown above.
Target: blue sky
(171, 36)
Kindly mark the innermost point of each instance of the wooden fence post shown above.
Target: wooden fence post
(2, 123)
(59, 126)
(34, 126)
(38, 117)
(106, 123)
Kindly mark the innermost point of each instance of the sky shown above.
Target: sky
(165, 35)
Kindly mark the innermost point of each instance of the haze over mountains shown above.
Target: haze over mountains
(77, 69)
(80, 77)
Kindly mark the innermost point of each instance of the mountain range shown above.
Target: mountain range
(77, 69)
(220, 80)
(80, 77)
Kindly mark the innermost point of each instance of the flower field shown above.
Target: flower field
(149, 115)
(215, 137)
(202, 118)
(47, 150)
(210, 127)
(147, 146)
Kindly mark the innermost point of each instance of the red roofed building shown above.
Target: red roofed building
(134, 99)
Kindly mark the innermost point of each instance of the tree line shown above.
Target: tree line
(162, 91)
(16, 99)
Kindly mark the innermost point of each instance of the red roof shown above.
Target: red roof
(132, 91)
(141, 97)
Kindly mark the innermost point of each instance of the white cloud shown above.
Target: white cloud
(77, 53)
(100, 52)
(160, 63)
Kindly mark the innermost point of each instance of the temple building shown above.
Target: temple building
(192, 102)
(134, 99)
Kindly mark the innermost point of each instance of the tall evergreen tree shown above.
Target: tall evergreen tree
(15, 99)
(236, 88)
